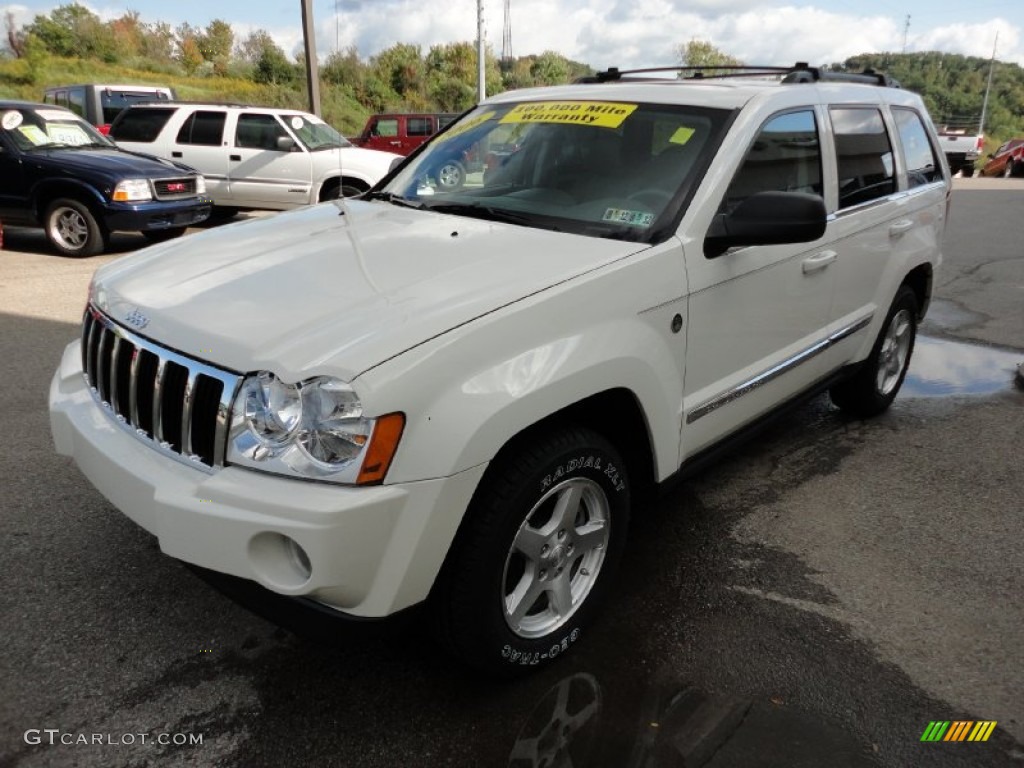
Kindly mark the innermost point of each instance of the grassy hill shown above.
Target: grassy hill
(19, 81)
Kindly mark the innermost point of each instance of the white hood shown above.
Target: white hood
(316, 291)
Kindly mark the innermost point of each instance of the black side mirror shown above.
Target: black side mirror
(768, 218)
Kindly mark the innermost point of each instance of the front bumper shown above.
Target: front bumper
(156, 215)
(371, 551)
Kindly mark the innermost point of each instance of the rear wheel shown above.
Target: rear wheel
(876, 384)
(545, 533)
(72, 229)
(451, 176)
(1008, 170)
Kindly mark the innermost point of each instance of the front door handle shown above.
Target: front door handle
(819, 261)
(175, 154)
(900, 228)
(235, 157)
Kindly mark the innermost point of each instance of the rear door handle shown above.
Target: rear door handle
(235, 157)
(819, 261)
(900, 228)
(175, 154)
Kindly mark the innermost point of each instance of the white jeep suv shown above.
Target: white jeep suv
(453, 398)
(253, 157)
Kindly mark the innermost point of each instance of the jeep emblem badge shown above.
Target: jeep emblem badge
(136, 319)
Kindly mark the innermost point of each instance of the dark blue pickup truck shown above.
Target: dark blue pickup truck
(59, 173)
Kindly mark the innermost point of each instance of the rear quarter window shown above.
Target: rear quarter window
(919, 155)
(141, 124)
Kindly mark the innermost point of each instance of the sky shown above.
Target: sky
(622, 33)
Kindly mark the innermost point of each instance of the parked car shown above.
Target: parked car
(59, 173)
(962, 145)
(1006, 161)
(254, 157)
(100, 104)
(401, 133)
(456, 399)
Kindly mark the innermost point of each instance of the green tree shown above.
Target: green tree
(402, 68)
(451, 76)
(550, 68)
(701, 53)
(343, 68)
(272, 66)
(216, 42)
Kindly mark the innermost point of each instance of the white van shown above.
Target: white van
(253, 157)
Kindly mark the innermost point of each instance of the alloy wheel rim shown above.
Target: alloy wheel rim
(555, 558)
(70, 229)
(895, 351)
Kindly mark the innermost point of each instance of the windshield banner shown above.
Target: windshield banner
(604, 114)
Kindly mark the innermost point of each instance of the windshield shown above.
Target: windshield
(314, 133)
(50, 128)
(597, 168)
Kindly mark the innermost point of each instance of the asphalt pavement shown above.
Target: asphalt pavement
(817, 598)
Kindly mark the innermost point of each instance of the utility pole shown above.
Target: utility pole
(481, 90)
(906, 29)
(988, 87)
(312, 68)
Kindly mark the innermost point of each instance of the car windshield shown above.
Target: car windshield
(605, 169)
(314, 133)
(49, 129)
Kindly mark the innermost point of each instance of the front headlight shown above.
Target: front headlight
(200, 185)
(314, 429)
(132, 191)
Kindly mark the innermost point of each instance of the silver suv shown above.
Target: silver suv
(253, 157)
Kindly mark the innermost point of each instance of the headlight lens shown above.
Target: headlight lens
(132, 190)
(314, 429)
(200, 185)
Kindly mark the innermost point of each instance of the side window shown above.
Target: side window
(62, 98)
(918, 153)
(785, 157)
(205, 128)
(76, 101)
(258, 132)
(385, 128)
(418, 126)
(863, 155)
(50, 97)
(140, 124)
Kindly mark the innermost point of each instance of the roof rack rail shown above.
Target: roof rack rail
(800, 72)
(186, 102)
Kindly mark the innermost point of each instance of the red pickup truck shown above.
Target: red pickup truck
(1006, 161)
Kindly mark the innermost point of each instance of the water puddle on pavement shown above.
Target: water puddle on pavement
(940, 368)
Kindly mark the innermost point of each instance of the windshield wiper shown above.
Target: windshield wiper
(480, 211)
(391, 197)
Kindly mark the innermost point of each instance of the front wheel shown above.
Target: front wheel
(72, 229)
(1008, 169)
(543, 538)
(873, 388)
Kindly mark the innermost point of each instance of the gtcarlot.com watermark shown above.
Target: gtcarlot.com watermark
(56, 736)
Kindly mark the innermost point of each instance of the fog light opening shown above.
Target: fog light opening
(280, 563)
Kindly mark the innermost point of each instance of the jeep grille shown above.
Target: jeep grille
(175, 403)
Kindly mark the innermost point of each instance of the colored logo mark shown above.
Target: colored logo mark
(958, 730)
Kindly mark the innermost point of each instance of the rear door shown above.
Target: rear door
(260, 173)
(201, 143)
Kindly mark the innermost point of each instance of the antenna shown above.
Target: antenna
(906, 28)
(991, 66)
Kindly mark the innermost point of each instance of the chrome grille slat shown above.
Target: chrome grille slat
(131, 378)
(158, 385)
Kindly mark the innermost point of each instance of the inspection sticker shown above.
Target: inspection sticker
(633, 218)
(12, 120)
(604, 114)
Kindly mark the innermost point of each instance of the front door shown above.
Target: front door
(757, 314)
(261, 174)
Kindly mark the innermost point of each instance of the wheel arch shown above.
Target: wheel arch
(919, 279)
(331, 182)
(48, 191)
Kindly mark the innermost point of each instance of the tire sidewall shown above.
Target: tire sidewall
(457, 170)
(904, 300)
(500, 648)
